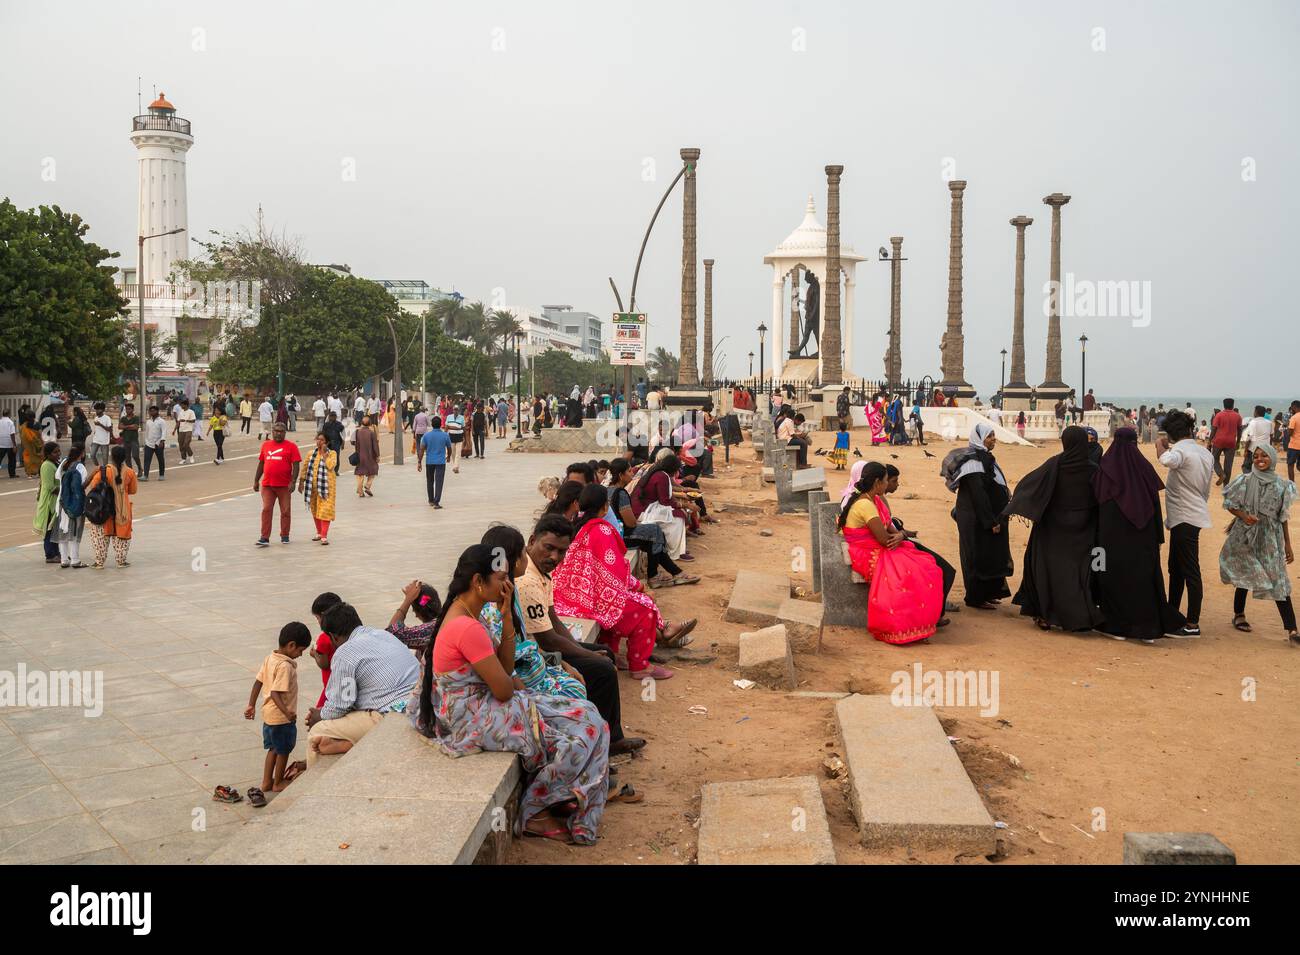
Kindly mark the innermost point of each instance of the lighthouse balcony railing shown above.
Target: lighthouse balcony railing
(170, 124)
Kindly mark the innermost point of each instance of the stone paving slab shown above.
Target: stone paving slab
(756, 598)
(765, 657)
(764, 822)
(803, 624)
(1176, 848)
(907, 786)
(178, 648)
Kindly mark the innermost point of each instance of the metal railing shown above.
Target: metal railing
(179, 292)
(170, 124)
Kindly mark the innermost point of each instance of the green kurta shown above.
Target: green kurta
(47, 502)
(1255, 557)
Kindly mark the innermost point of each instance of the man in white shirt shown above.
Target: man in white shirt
(358, 408)
(184, 430)
(154, 440)
(653, 400)
(1191, 469)
(372, 409)
(318, 412)
(335, 405)
(9, 443)
(1257, 433)
(265, 415)
(101, 435)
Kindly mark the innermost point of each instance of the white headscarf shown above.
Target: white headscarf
(974, 465)
(851, 488)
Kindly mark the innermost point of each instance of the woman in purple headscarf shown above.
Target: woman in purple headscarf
(1130, 582)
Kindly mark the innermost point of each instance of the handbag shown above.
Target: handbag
(354, 458)
(101, 506)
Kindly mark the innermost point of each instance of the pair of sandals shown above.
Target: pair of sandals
(1239, 622)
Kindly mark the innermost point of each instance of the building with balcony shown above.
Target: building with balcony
(587, 328)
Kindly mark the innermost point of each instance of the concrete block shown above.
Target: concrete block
(809, 479)
(844, 603)
(803, 624)
(769, 475)
(765, 657)
(814, 528)
(1176, 848)
(756, 598)
(907, 786)
(750, 823)
(393, 799)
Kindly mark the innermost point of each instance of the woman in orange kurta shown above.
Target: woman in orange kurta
(118, 527)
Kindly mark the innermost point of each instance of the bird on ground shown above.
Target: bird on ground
(894, 456)
(926, 453)
(857, 453)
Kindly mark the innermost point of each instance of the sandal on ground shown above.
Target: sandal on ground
(316, 538)
(256, 797)
(943, 622)
(679, 638)
(226, 794)
(294, 770)
(986, 605)
(1042, 624)
(1239, 621)
(626, 795)
(682, 579)
(662, 581)
(654, 671)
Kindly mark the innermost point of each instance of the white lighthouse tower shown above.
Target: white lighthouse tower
(161, 140)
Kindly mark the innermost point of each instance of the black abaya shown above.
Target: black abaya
(1132, 586)
(985, 556)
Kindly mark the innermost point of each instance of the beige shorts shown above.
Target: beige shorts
(351, 727)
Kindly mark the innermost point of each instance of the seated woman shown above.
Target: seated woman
(593, 582)
(422, 600)
(565, 502)
(646, 537)
(506, 616)
(651, 494)
(906, 599)
(469, 702)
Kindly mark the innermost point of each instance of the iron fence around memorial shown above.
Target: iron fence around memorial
(861, 390)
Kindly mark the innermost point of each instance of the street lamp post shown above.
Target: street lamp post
(397, 394)
(1083, 367)
(519, 404)
(424, 371)
(143, 397)
(762, 338)
(1004, 377)
(751, 364)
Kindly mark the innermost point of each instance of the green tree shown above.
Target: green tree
(502, 325)
(662, 364)
(61, 316)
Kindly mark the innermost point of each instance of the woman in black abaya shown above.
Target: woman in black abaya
(1057, 496)
(981, 495)
(1131, 584)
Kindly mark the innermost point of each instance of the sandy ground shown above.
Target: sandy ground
(1108, 736)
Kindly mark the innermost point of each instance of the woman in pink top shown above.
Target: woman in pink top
(469, 701)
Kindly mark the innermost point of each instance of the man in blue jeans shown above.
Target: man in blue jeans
(435, 444)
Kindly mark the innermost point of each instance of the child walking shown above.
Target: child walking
(279, 677)
(840, 455)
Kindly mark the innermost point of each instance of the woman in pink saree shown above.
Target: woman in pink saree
(876, 419)
(906, 599)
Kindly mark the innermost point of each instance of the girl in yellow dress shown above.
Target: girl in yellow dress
(319, 488)
(840, 455)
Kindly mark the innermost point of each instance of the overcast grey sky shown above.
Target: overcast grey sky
(502, 145)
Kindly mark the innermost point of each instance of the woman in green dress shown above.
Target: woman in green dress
(47, 500)
(1258, 546)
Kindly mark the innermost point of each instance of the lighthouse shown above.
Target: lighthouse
(161, 141)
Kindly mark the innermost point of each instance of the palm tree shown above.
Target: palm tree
(450, 314)
(663, 365)
(502, 325)
(474, 328)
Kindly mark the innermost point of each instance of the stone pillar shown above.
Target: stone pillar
(708, 322)
(831, 366)
(1016, 393)
(794, 309)
(689, 367)
(1053, 387)
(954, 373)
(894, 371)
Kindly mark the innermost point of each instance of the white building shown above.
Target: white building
(542, 331)
(587, 328)
(174, 310)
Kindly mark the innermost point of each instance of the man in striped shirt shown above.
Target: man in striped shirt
(371, 673)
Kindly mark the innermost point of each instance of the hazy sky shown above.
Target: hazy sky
(504, 145)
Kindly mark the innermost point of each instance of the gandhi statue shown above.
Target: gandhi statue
(812, 315)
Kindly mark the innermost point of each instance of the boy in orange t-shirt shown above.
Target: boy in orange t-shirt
(279, 677)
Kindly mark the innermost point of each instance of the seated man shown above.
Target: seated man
(788, 431)
(546, 548)
(949, 572)
(371, 673)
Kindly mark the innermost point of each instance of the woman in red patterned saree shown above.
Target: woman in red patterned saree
(906, 599)
(593, 582)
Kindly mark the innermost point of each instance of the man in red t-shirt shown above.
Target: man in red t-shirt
(1224, 432)
(276, 477)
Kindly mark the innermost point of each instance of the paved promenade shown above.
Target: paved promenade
(178, 637)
